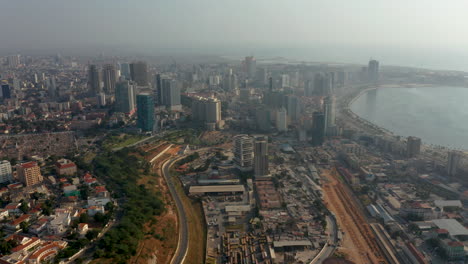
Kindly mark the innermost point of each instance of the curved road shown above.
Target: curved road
(182, 245)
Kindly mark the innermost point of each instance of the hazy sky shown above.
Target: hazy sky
(226, 24)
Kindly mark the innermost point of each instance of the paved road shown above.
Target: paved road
(182, 246)
(330, 247)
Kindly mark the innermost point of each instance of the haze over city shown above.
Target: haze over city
(413, 33)
(233, 132)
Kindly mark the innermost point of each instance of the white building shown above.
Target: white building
(5, 171)
(59, 224)
(243, 152)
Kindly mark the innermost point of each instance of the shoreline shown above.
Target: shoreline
(386, 132)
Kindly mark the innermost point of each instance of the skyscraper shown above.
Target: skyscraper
(109, 74)
(139, 73)
(6, 93)
(13, 61)
(281, 120)
(230, 81)
(125, 97)
(320, 84)
(171, 94)
(52, 87)
(158, 89)
(453, 162)
(125, 70)
(318, 128)
(373, 71)
(29, 173)
(145, 112)
(243, 152)
(293, 107)
(94, 79)
(329, 109)
(6, 174)
(250, 67)
(261, 156)
(413, 146)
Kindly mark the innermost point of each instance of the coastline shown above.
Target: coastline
(382, 130)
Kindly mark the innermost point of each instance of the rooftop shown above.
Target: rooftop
(452, 226)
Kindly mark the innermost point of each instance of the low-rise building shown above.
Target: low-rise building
(65, 167)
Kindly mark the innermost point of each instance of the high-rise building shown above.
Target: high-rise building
(309, 88)
(52, 87)
(243, 152)
(453, 162)
(262, 76)
(125, 97)
(250, 67)
(320, 84)
(171, 94)
(145, 112)
(6, 93)
(6, 174)
(413, 146)
(262, 115)
(342, 78)
(373, 71)
(101, 99)
(230, 81)
(318, 128)
(285, 81)
(261, 156)
(270, 84)
(139, 73)
(207, 110)
(94, 79)
(13, 61)
(29, 173)
(329, 109)
(282, 120)
(109, 74)
(125, 70)
(330, 83)
(294, 107)
(158, 90)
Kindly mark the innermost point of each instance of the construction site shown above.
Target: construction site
(359, 243)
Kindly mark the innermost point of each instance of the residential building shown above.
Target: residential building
(261, 156)
(109, 75)
(94, 79)
(243, 152)
(139, 73)
(65, 167)
(282, 120)
(171, 95)
(125, 97)
(329, 109)
(6, 174)
(29, 173)
(413, 146)
(373, 71)
(208, 111)
(318, 128)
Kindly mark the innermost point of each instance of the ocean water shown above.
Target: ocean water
(438, 115)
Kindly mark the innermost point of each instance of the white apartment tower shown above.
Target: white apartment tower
(5, 171)
(243, 152)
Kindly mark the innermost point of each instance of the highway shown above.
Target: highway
(182, 245)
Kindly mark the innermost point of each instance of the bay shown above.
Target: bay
(438, 115)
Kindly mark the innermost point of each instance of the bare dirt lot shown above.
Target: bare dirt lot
(359, 244)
